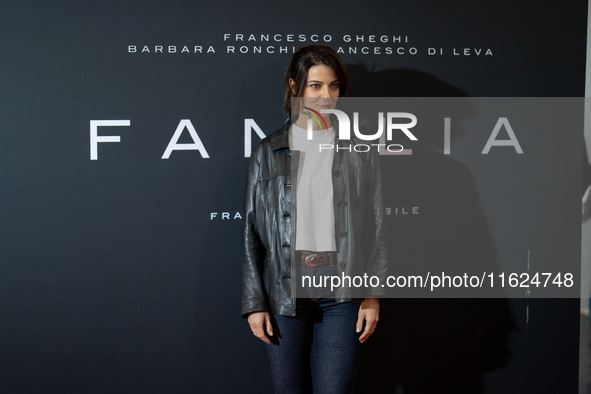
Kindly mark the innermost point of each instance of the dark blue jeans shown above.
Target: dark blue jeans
(330, 327)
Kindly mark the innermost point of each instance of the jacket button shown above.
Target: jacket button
(337, 172)
(286, 245)
(342, 265)
(343, 234)
(341, 204)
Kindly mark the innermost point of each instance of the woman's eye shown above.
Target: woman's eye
(314, 86)
(335, 86)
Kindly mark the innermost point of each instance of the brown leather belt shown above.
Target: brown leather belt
(312, 259)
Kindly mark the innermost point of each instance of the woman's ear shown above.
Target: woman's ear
(292, 86)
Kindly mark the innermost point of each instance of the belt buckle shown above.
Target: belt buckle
(309, 258)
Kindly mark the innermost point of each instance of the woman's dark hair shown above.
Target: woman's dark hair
(301, 61)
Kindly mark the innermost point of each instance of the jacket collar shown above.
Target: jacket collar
(280, 138)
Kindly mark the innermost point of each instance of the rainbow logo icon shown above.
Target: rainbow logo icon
(316, 118)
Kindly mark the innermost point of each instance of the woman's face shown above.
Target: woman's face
(321, 90)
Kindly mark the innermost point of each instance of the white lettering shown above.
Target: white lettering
(389, 152)
(403, 127)
(368, 137)
(249, 125)
(512, 141)
(446, 136)
(195, 145)
(399, 147)
(95, 138)
(378, 145)
(344, 123)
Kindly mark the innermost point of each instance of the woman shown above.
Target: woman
(316, 228)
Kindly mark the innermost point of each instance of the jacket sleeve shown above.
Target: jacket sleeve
(377, 264)
(254, 297)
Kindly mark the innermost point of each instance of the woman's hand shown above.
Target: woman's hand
(370, 312)
(258, 322)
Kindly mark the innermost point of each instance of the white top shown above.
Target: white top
(315, 226)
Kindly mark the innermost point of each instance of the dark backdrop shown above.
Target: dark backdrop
(115, 276)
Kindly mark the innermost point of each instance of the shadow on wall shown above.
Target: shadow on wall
(431, 345)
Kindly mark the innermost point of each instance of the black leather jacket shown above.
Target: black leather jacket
(268, 246)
